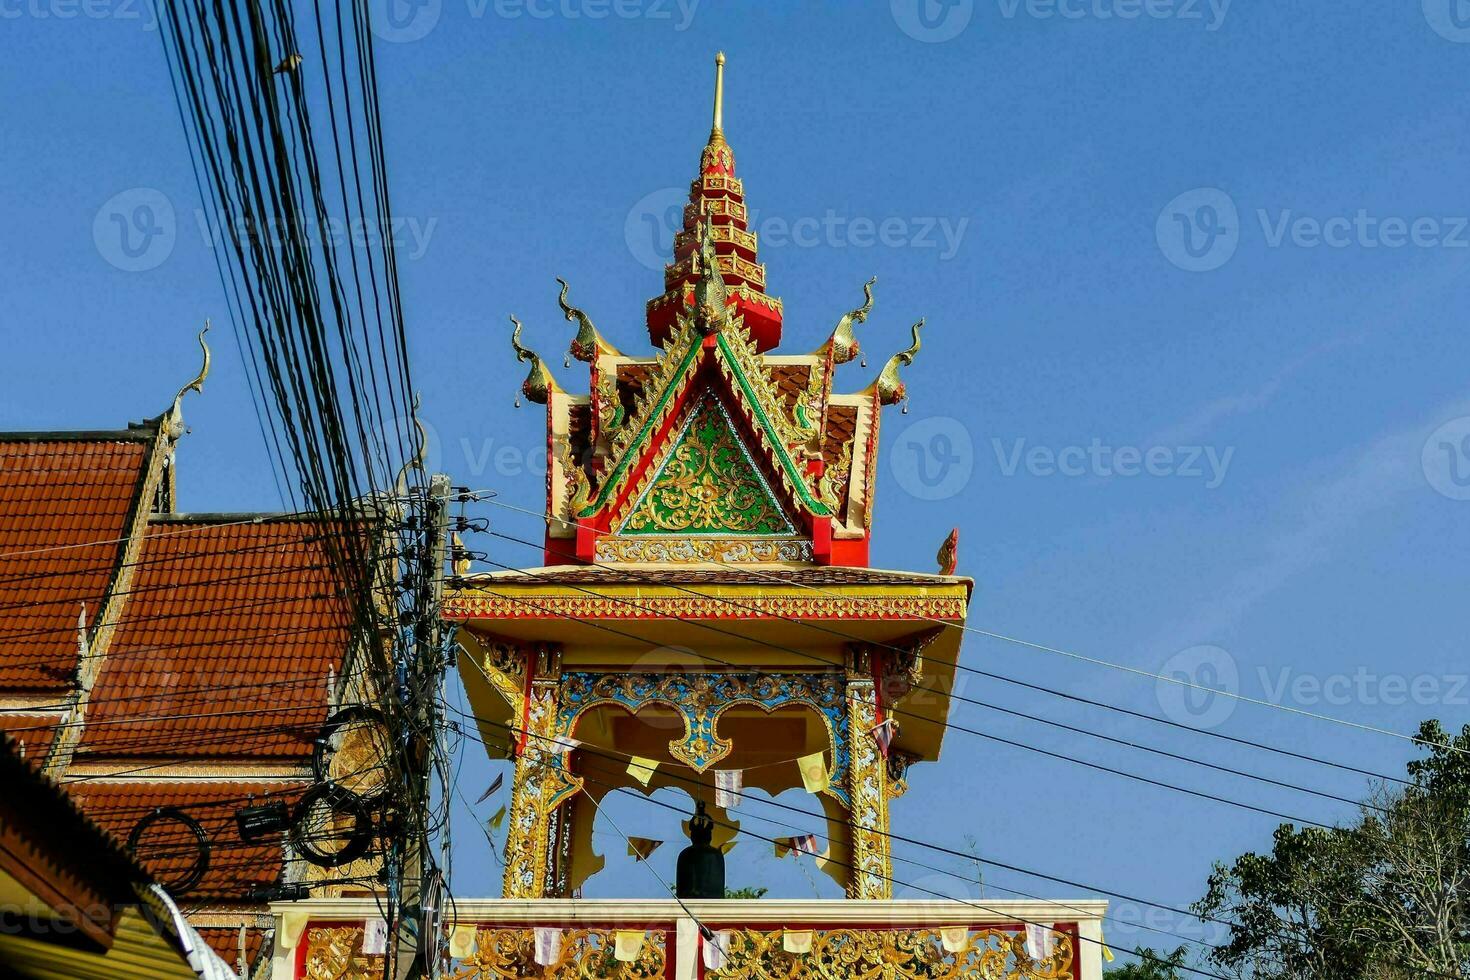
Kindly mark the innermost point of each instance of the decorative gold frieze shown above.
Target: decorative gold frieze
(336, 954)
(876, 954)
(584, 954)
(489, 604)
(686, 551)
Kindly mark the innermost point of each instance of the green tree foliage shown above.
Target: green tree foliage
(1151, 966)
(1385, 898)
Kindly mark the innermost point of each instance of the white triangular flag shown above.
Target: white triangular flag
(728, 784)
(797, 940)
(716, 950)
(954, 938)
(563, 743)
(374, 937)
(548, 946)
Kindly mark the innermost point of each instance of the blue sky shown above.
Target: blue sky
(1193, 383)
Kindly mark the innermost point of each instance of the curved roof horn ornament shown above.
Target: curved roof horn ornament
(176, 413)
(889, 386)
(843, 342)
(588, 343)
(539, 383)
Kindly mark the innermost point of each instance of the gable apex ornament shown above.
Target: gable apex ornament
(176, 413)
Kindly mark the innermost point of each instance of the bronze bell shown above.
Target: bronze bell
(701, 869)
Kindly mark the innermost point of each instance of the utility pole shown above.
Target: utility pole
(423, 665)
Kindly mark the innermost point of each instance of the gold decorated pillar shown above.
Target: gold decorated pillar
(536, 840)
(871, 872)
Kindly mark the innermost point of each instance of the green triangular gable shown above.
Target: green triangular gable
(708, 484)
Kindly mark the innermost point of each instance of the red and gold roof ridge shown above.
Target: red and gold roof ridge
(806, 450)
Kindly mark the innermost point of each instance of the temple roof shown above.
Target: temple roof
(234, 867)
(68, 505)
(714, 449)
(247, 606)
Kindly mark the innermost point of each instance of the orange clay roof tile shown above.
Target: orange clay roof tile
(65, 503)
(224, 646)
(234, 866)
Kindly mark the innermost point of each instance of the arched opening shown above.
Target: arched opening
(614, 804)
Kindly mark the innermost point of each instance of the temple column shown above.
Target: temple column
(871, 872)
(536, 836)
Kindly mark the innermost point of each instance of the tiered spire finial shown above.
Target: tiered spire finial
(717, 130)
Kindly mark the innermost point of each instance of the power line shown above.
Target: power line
(1053, 650)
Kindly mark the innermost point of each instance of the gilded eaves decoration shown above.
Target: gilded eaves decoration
(700, 699)
(708, 485)
(872, 954)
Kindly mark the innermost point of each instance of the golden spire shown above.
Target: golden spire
(717, 131)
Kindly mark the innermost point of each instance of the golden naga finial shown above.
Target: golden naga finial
(539, 383)
(176, 414)
(711, 297)
(888, 385)
(588, 343)
(844, 345)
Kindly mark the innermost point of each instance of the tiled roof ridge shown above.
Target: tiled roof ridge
(135, 432)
